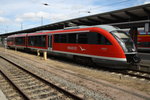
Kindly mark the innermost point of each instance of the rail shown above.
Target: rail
(15, 77)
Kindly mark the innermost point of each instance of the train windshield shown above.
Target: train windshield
(120, 34)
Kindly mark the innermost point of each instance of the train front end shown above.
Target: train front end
(128, 46)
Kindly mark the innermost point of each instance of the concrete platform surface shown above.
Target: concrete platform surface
(145, 59)
(2, 96)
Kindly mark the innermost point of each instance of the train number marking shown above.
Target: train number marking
(104, 49)
(71, 48)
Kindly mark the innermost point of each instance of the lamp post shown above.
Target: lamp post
(41, 20)
(45, 4)
(21, 25)
(6, 29)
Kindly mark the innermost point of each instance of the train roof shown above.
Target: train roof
(108, 28)
(18, 35)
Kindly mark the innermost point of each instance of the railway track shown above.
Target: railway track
(17, 58)
(135, 73)
(130, 72)
(10, 91)
(32, 87)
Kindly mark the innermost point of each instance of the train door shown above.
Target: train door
(50, 42)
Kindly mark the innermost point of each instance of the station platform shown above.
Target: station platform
(2, 96)
(145, 61)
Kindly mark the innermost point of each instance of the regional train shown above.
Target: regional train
(143, 39)
(101, 44)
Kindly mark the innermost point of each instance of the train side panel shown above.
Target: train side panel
(98, 44)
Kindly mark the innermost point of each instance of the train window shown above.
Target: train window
(30, 41)
(92, 38)
(38, 41)
(63, 38)
(82, 38)
(72, 38)
(106, 41)
(20, 40)
(57, 38)
(42, 43)
(96, 38)
(144, 44)
(103, 40)
(10, 39)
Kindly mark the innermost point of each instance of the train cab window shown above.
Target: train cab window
(106, 41)
(103, 40)
(20, 40)
(83, 38)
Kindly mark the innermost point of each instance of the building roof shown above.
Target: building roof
(130, 17)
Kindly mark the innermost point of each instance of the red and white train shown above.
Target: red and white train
(100, 44)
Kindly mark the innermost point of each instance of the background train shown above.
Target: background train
(143, 39)
(102, 44)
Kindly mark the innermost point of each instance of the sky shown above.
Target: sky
(17, 15)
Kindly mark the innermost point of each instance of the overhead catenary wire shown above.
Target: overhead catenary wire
(109, 5)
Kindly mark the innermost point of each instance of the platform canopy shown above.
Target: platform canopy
(125, 18)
